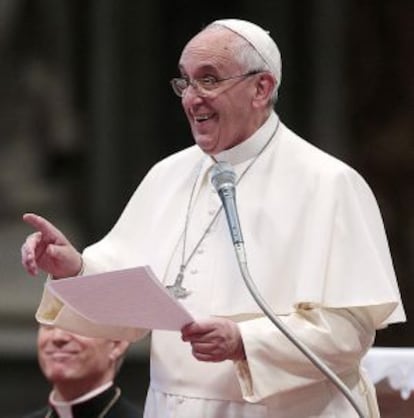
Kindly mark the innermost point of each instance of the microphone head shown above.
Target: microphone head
(223, 175)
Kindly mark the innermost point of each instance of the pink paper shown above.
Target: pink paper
(132, 297)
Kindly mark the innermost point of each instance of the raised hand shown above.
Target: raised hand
(214, 340)
(49, 250)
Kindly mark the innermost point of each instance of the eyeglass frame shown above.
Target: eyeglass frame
(202, 91)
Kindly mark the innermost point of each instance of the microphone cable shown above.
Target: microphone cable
(223, 180)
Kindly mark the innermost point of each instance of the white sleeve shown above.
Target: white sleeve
(339, 337)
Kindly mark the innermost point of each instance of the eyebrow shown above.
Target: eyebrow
(202, 68)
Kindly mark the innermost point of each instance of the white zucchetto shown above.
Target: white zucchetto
(260, 40)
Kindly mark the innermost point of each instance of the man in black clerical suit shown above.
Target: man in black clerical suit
(82, 371)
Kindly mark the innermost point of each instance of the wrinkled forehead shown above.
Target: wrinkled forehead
(212, 46)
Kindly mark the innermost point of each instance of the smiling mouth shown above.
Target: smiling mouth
(202, 118)
(60, 354)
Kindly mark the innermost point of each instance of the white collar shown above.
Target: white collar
(252, 145)
(64, 408)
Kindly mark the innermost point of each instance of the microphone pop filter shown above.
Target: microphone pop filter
(223, 175)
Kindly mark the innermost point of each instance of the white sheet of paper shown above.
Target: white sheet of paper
(132, 297)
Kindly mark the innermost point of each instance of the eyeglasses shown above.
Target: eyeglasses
(203, 85)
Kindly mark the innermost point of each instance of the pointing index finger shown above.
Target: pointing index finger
(41, 224)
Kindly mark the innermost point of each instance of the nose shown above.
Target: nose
(60, 336)
(192, 94)
(194, 86)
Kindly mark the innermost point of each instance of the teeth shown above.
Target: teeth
(202, 118)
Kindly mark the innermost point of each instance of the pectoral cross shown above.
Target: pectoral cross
(176, 289)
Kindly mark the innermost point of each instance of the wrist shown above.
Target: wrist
(79, 272)
(81, 268)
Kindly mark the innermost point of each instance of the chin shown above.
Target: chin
(206, 144)
(58, 376)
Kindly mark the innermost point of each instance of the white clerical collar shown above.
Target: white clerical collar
(252, 145)
(64, 409)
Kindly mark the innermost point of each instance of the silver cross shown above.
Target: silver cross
(176, 289)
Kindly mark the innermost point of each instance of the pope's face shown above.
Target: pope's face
(226, 116)
(70, 358)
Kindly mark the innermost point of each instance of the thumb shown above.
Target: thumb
(65, 258)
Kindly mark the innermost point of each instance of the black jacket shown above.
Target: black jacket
(91, 408)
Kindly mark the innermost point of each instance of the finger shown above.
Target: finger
(56, 252)
(201, 357)
(28, 260)
(209, 338)
(196, 330)
(48, 230)
(204, 357)
(67, 263)
(36, 245)
(205, 347)
(32, 241)
(211, 357)
(28, 252)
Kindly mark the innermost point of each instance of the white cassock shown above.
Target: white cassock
(316, 249)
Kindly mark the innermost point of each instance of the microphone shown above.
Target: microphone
(224, 181)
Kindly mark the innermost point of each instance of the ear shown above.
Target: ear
(264, 86)
(118, 349)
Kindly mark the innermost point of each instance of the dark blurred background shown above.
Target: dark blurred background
(86, 109)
